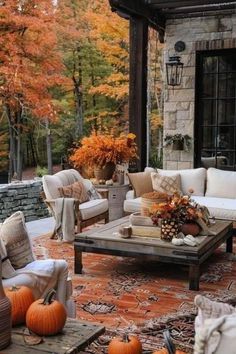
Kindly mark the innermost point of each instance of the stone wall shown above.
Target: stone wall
(24, 196)
(202, 33)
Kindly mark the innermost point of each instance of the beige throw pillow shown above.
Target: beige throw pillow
(14, 234)
(141, 183)
(76, 190)
(166, 184)
(7, 270)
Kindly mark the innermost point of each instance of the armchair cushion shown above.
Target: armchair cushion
(14, 234)
(93, 208)
(7, 269)
(76, 190)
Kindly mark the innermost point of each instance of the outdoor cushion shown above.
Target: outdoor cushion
(220, 183)
(93, 208)
(221, 208)
(166, 184)
(69, 176)
(51, 185)
(132, 205)
(192, 180)
(141, 183)
(14, 234)
(75, 190)
(7, 269)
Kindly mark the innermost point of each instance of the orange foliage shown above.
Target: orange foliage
(110, 33)
(98, 149)
(30, 63)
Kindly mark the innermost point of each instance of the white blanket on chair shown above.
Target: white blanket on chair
(65, 218)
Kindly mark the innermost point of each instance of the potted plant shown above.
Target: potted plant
(178, 141)
(103, 151)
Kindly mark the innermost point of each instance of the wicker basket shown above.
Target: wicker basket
(149, 199)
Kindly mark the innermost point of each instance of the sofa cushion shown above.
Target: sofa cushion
(132, 205)
(14, 234)
(192, 180)
(221, 183)
(93, 208)
(166, 184)
(75, 190)
(141, 183)
(220, 208)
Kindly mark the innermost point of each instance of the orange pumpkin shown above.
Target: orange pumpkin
(21, 297)
(127, 344)
(46, 317)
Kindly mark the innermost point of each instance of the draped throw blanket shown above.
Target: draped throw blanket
(65, 218)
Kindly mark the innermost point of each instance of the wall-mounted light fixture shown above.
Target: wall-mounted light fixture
(174, 70)
(174, 67)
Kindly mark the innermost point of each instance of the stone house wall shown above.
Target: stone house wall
(201, 33)
(24, 196)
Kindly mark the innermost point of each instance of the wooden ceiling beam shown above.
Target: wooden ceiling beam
(136, 8)
(179, 3)
(192, 9)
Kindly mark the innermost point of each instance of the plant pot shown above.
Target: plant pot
(178, 145)
(190, 228)
(105, 172)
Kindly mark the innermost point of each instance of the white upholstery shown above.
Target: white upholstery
(191, 179)
(51, 185)
(132, 205)
(220, 183)
(220, 197)
(221, 208)
(93, 208)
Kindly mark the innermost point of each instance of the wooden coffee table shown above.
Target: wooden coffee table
(103, 240)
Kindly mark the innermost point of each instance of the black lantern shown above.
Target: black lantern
(174, 70)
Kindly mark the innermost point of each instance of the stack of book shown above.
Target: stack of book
(143, 226)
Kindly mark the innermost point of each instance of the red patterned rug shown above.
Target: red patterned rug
(129, 295)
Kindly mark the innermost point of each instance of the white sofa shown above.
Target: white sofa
(214, 188)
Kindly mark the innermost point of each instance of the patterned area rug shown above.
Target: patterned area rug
(129, 295)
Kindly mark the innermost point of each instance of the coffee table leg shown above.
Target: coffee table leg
(229, 244)
(194, 275)
(78, 261)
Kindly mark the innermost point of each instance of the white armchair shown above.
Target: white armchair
(86, 213)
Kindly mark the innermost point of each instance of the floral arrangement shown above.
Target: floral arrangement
(99, 149)
(180, 208)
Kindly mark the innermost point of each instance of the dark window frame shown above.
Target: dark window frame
(199, 99)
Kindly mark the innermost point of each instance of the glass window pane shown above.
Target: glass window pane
(226, 112)
(227, 63)
(210, 64)
(209, 86)
(209, 112)
(225, 138)
(209, 138)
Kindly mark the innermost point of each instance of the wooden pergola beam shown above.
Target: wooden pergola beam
(174, 4)
(138, 86)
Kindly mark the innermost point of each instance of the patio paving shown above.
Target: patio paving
(40, 227)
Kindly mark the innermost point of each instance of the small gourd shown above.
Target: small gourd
(46, 317)
(126, 344)
(21, 297)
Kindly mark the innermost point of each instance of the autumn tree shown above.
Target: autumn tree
(30, 67)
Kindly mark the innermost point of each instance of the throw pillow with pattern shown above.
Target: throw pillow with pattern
(166, 184)
(15, 237)
(76, 190)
